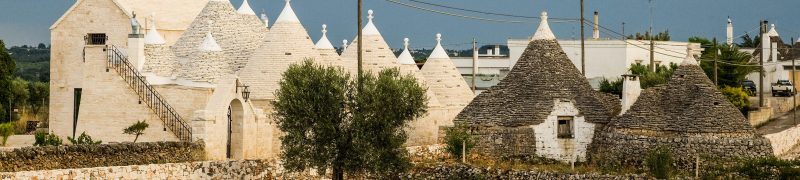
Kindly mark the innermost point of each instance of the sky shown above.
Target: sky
(27, 22)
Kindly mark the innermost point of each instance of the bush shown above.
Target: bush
(456, 138)
(659, 162)
(737, 96)
(44, 139)
(83, 139)
(6, 130)
(766, 168)
(611, 86)
(136, 129)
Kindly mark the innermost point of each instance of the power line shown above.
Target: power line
(488, 13)
(556, 20)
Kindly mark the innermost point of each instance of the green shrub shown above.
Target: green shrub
(763, 168)
(457, 138)
(136, 129)
(83, 139)
(659, 162)
(6, 130)
(737, 96)
(44, 139)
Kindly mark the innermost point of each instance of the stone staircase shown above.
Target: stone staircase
(118, 61)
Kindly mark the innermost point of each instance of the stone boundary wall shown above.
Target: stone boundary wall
(760, 116)
(633, 149)
(244, 169)
(458, 171)
(86, 156)
(783, 141)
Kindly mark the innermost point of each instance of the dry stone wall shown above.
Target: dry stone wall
(244, 169)
(85, 156)
(632, 147)
(442, 171)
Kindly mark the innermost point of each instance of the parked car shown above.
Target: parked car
(749, 87)
(783, 87)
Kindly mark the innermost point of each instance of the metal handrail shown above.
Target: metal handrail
(172, 120)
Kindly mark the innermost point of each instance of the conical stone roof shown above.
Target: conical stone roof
(327, 52)
(287, 42)
(444, 79)
(405, 57)
(378, 56)
(688, 103)
(689, 116)
(542, 75)
(237, 34)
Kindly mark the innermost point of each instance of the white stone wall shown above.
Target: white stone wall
(783, 141)
(251, 134)
(549, 145)
(107, 106)
(425, 130)
(67, 60)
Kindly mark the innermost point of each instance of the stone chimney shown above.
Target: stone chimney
(496, 50)
(630, 91)
(136, 44)
(596, 32)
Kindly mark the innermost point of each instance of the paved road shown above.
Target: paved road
(782, 122)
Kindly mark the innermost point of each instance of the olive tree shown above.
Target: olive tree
(330, 124)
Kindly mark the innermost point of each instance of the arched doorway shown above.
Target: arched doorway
(235, 146)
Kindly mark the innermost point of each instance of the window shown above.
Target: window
(565, 129)
(96, 39)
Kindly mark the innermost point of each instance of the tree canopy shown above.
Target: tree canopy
(329, 124)
(7, 69)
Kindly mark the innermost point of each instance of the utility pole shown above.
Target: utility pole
(762, 30)
(652, 45)
(360, 45)
(623, 32)
(794, 96)
(716, 58)
(474, 63)
(583, 47)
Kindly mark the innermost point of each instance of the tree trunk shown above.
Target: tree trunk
(337, 173)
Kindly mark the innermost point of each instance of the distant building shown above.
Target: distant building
(777, 57)
(605, 57)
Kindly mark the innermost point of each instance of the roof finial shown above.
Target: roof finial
(689, 56)
(772, 32)
(370, 15)
(543, 32)
(405, 56)
(265, 19)
(323, 42)
(438, 51)
(439, 38)
(369, 28)
(344, 45)
(152, 36)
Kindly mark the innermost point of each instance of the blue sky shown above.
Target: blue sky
(27, 21)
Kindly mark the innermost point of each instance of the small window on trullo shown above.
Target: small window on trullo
(565, 127)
